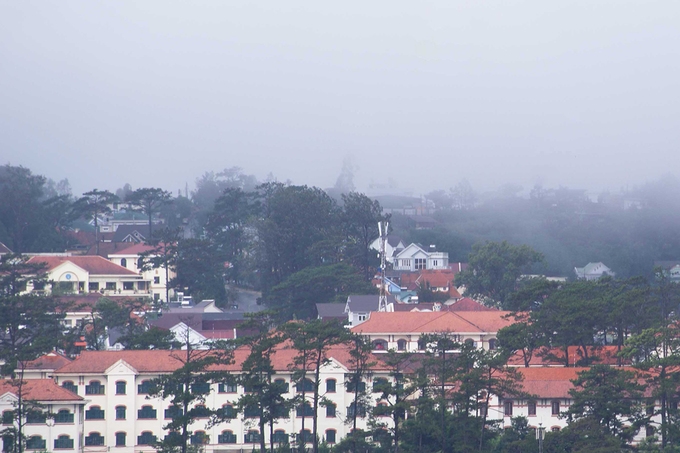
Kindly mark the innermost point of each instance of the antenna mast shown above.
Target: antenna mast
(382, 230)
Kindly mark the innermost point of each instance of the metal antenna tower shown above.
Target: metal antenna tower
(383, 227)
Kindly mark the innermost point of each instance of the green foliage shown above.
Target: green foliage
(92, 205)
(149, 200)
(297, 295)
(200, 271)
(494, 268)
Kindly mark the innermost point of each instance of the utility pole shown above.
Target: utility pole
(383, 227)
(540, 434)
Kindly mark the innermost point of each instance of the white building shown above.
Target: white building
(593, 271)
(416, 258)
(62, 430)
(131, 258)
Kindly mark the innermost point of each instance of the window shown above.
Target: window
(380, 345)
(649, 431)
(94, 413)
(304, 410)
(111, 286)
(362, 316)
(63, 441)
(330, 436)
(63, 416)
(123, 262)
(93, 286)
(421, 263)
(120, 439)
(360, 410)
(145, 387)
(280, 437)
(252, 437)
(146, 412)
(282, 385)
(482, 410)
(507, 408)
(307, 385)
(228, 411)
(227, 388)
(380, 384)
(173, 438)
(381, 409)
(35, 416)
(227, 437)
(305, 436)
(201, 388)
(493, 344)
(121, 387)
(401, 345)
(95, 388)
(406, 262)
(531, 408)
(36, 443)
(201, 411)
(7, 417)
(351, 386)
(156, 280)
(140, 262)
(330, 385)
(120, 413)
(70, 386)
(555, 407)
(94, 439)
(128, 286)
(172, 412)
(251, 411)
(199, 438)
(147, 438)
(555, 429)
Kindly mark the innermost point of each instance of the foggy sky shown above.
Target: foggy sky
(155, 93)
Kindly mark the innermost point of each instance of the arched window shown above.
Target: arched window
(146, 438)
(280, 437)
(140, 263)
(380, 384)
(228, 411)
(227, 437)
(121, 388)
(401, 345)
(36, 443)
(282, 385)
(470, 342)
(94, 388)
(330, 436)
(305, 436)
(304, 410)
(123, 262)
(380, 345)
(201, 411)
(36, 416)
(120, 413)
(70, 386)
(199, 438)
(381, 410)
(120, 439)
(331, 410)
(173, 412)
(94, 439)
(145, 387)
(94, 413)
(330, 385)
(7, 417)
(146, 412)
(252, 437)
(63, 416)
(64, 441)
(493, 343)
(307, 385)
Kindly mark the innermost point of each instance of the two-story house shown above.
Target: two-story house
(415, 257)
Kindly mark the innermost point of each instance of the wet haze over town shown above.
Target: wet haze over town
(416, 95)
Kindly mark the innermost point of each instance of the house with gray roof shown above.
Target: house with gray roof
(358, 307)
(593, 271)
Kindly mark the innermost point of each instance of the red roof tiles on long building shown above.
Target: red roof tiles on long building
(39, 390)
(93, 264)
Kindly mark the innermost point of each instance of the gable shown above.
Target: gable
(121, 367)
(68, 272)
(412, 251)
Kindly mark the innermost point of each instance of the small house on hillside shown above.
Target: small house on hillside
(593, 271)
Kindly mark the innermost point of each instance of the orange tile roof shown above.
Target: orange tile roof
(164, 361)
(549, 382)
(93, 264)
(431, 322)
(49, 361)
(40, 390)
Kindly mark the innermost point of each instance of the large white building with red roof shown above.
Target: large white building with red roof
(130, 257)
(90, 274)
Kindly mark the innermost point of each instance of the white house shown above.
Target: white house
(593, 271)
(416, 258)
(63, 429)
(393, 245)
(89, 274)
(131, 258)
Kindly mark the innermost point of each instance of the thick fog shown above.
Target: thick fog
(155, 93)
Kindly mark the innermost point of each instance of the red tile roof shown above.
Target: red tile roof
(605, 355)
(93, 264)
(40, 390)
(135, 249)
(549, 382)
(49, 361)
(163, 361)
(430, 322)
